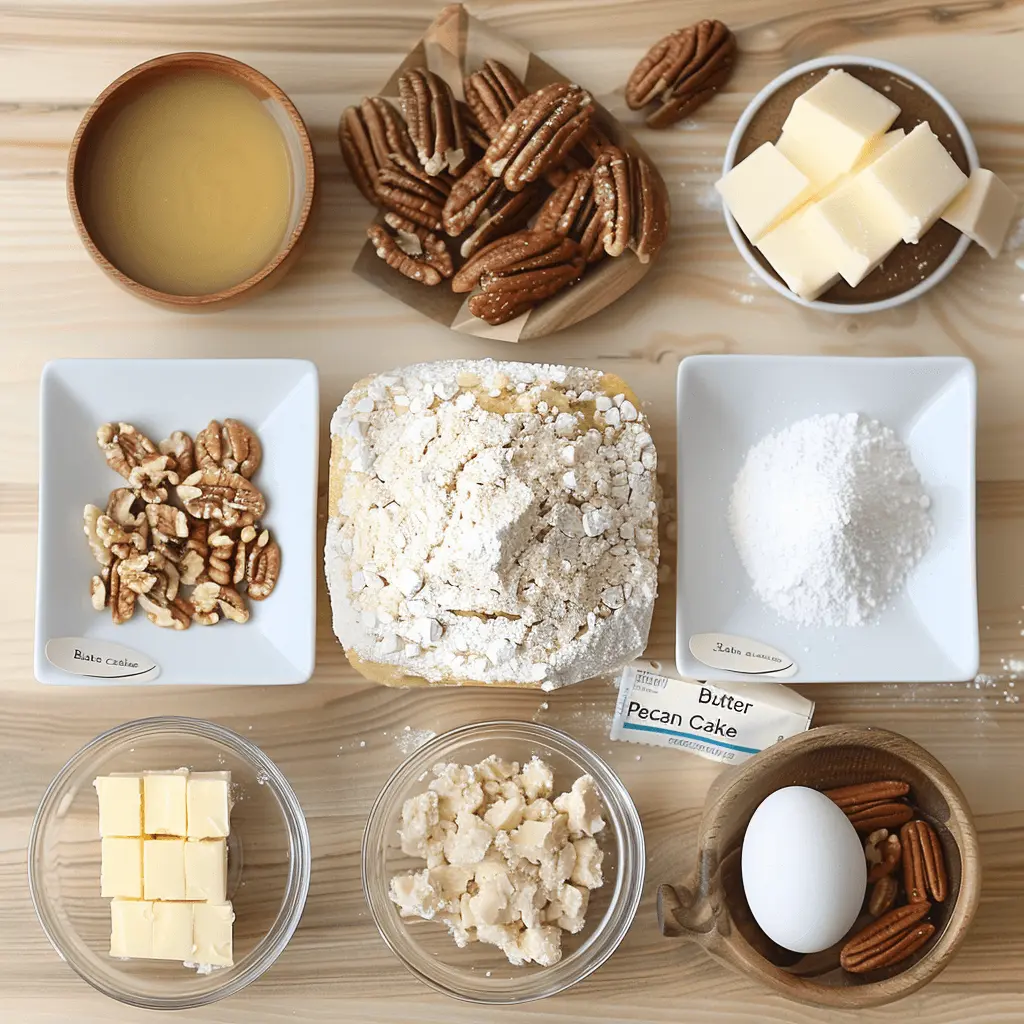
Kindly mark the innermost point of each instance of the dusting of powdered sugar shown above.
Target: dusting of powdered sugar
(829, 517)
(497, 522)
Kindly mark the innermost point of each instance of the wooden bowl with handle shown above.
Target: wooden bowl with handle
(711, 909)
(300, 158)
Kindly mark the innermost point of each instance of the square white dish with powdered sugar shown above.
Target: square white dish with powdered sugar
(827, 510)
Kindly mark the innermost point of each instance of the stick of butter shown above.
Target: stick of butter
(721, 723)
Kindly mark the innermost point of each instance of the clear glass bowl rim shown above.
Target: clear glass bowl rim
(630, 872)
(299, 866)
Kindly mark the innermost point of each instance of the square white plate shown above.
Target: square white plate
(279, 400)
(728, 403)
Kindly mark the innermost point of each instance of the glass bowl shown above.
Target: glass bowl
(268, 861)
(480, 973)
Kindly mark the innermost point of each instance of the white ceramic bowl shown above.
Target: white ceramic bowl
(929, 632)
(746, 249)
(278, 398)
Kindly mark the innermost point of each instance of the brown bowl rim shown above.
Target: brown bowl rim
(231, 68)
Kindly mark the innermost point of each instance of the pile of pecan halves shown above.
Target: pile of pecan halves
(149, 549)
(899, 905)
(522, 189)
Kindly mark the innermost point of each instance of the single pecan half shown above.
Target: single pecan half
(124, 447)
(891, 939)
(572, 210)
(406, 189)
(218, 564)
(167, 521)
(614, 197)
(633, 204)
(230, 445)
(435, 122)
(263, 567)
(682, 72)
(519, 272)
(867, 793)
(483, 204)
(412, 250)
(120, 598)
(492, 94)
(650, 208)
(924, 868)
(538, 134)
(882, 895)
(217, 493)
(368, 135)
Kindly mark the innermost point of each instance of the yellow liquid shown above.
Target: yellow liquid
(189, 186)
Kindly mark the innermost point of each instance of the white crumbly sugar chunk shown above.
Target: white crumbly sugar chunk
(419, 817)
(829, 517)
(513, 869)
(537, 779)
(582, 806)
(505, 515)
(587, 869)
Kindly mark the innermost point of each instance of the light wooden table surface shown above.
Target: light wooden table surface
(56, 55)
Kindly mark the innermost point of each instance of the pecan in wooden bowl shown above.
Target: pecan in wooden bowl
(923, 868)
(462, 153)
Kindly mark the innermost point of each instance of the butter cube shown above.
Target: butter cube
(830, 125)
(121, 867)
(763, 190)
(211, 934)
(131, 928)
(208, 799)
(796, 256)
(163, 869)
(120, 798)
(206, 870)
(983, 211)
(853, 229)
(917, 179)
(172, 931)
(164, 794)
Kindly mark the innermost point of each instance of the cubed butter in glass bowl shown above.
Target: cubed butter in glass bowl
(267, 892)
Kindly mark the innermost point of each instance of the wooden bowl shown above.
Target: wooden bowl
(300, 151)
(711, 909)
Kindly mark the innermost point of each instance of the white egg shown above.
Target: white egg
(804, 872)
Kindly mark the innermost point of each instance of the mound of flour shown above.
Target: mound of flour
(829, 516)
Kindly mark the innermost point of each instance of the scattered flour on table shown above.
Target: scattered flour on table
(829, 516)
(410, 739)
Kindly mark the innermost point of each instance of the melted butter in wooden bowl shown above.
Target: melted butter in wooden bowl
(189, 179)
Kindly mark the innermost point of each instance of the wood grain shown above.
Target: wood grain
(57, 55)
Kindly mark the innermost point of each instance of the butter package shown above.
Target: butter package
(723, 723)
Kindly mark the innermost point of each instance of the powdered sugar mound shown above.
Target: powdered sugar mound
(829, 517)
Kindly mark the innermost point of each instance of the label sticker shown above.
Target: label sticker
(100, 659)
(741, 654)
